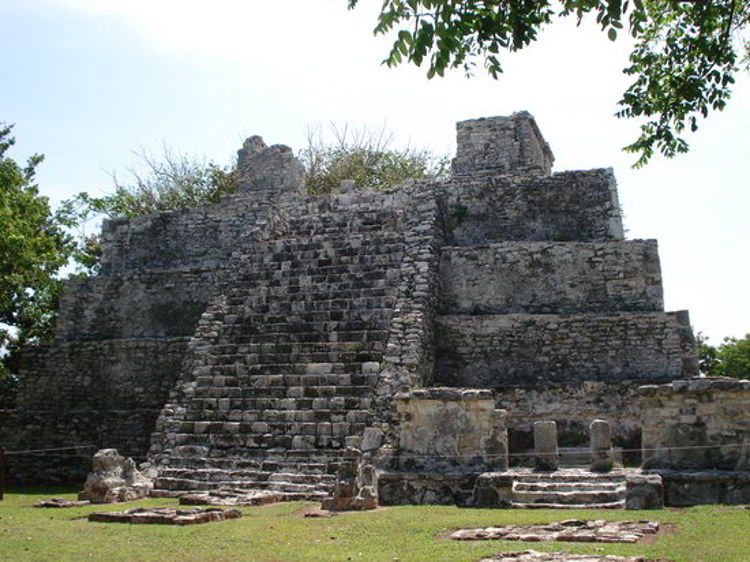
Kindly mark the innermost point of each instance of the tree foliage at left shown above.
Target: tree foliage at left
(34, 245)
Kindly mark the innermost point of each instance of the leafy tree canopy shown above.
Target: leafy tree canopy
(34, 245)
(684, 61)
(730, 359)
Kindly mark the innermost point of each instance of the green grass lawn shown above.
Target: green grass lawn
(280, 532)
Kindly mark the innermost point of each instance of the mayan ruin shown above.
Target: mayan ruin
(491, 339)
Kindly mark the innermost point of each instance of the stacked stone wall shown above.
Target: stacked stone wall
(98, 393)
(548, 277)
(200, 237)
(568, 206)
(697, 424)
(519, 349)
(148, 304)
(502, 145)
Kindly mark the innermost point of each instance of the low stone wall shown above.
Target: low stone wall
(524, 349)
(569, 206)
(708, 487)
(697, 424)
(546, 277)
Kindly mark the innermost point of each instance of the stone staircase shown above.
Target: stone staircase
(569, 489)
(286, 362)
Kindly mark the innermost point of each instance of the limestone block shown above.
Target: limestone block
(545, 445)
(115, 479)
(263, 168)
(371, 439)
(644, 491)
(493, 489)
(601, 446)
(450, 428)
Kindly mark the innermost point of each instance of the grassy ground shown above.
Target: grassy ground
(280, 532)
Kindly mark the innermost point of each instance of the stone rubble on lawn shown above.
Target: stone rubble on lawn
(534, 556)
(571, 530)
(165, 516)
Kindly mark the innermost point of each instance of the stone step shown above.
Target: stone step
(313, 462)
(572, 476)
(331, 251)
(291, 374)
(620, 504)
(575, 497)
(317, 314)
(568, 486)
(353, 309)
(260, 334)
(278, 392)
(189, 485)
(196, 416)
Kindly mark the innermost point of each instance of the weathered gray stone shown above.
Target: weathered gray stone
(644, 491)
(602, 458)
(502, 145)
(535, 556)
(451, 430)
(570, 530)
(248, 343)
(545, 445)
(696, 424)
(115, 479)
(264, 168)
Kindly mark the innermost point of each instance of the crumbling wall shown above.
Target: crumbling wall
(502, 145)
(549, 277)
(568, 206)
(521, 349)
(448, 429)
(696, 424)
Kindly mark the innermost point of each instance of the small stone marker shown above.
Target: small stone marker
(545, 445)
(166, 516)
(601, 446)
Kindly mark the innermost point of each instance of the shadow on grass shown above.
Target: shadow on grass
(51, 491)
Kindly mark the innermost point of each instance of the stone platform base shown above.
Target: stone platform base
(523, 488)
(687, 488)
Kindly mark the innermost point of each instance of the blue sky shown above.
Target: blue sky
(88, 82)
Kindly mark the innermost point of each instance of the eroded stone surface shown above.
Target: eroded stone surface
(61, 502)
(165, 516)
(571, 530)
(534, 556)
(260, 497)
(451, 429)
(115, 478)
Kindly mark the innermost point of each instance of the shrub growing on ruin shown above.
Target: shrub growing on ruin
(366, 157)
